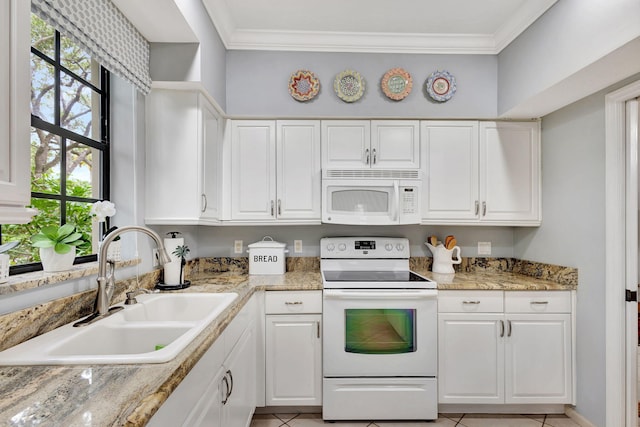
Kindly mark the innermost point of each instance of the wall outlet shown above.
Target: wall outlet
(484, 248)
(297, 246)
(237, 247)
(156, 258)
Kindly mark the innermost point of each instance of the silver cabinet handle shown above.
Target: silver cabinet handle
(279, 207)
(477, 207)
(231, 385)
(475, 302)
(374, 156)
(272, 211)
(501, 328)
(484, 208)
(540, 302)
(318, 329)
(508, 328)
(366, 156)
(293, 302)
(204, 202)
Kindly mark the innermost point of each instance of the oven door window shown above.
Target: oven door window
(380, 331)
(360, 201)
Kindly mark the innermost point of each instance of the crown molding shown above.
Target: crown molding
(235, 38)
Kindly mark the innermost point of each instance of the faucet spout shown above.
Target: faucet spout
(106, 282)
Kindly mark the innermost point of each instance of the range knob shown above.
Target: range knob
(342, 247)
(388, 246)
(400, 247)
(331, 247)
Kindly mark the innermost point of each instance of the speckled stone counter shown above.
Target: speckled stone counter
(117, 395)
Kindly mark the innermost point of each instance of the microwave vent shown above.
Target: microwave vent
(373, 173)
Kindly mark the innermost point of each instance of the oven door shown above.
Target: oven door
(378, 333)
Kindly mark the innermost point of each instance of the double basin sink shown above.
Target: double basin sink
(154, 330)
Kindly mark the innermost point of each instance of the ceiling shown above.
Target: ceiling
(407, 26)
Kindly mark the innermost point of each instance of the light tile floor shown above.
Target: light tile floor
(444, 420)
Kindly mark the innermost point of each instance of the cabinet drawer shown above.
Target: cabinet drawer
(538, 302)
(470, 302)
(287, 302)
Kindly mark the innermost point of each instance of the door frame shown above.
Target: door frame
(620, 411)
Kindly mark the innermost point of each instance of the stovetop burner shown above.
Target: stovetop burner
(373, 276)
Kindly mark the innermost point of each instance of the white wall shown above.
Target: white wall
(569, 37)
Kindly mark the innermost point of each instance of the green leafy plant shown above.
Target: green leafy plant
(60, 238)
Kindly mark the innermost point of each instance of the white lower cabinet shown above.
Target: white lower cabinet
(220, 389)
(293, 348)
(505, 347)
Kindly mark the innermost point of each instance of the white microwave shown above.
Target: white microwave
(371, 197)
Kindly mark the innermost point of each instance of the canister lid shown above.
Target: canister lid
(264, 243)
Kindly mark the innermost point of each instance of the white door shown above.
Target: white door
(451, 163)
(346, 144)
(470, 358)
(211, 167)
(509, 171)
(241, 370)
(293, 360)
(209, 412)
(538, 358)
(298, 164)
(253, 165)
(395, 144)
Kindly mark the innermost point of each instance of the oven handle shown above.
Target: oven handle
(391, 294)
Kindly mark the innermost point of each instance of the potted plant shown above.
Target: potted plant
(181, 252)
(102, 210)
(58, 246)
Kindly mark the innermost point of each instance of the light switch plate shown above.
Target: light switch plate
(484, 248)
(297, 246)
(237, 247)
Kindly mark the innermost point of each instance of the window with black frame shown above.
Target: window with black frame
(69, 143)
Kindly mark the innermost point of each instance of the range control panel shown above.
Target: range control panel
(364, 247)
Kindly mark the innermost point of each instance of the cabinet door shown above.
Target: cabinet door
(510, 172)
(173, 184)
(209, 408)
(346, 144)
(240, 366)
(538, 358)
(211, 170)
(470, 358)
(395, 144)
(253, 177)
(293, 360)
(15, 184)
(451, 171)
(298, 165)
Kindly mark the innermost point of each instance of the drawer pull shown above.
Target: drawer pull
(293, 302)
(475, 302)
(540, 302)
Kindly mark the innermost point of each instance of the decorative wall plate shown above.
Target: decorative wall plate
(441, 86)
(303, 85)
(396, 84)
(349, 85)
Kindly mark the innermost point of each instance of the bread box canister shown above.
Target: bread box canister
(267, 257)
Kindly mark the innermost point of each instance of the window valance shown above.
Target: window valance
(100, 28)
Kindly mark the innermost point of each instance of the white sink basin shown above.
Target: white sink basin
(153, 331)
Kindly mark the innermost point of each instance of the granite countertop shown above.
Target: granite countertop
(115, 395)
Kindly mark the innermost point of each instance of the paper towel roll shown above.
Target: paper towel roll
(172, 269)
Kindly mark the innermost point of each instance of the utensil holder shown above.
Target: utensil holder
(444, 259)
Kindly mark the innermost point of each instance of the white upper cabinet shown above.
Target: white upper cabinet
(275, 171)
(15, 185)
(510, 172)
(182, 158)
(481, 173)
(357, 144)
